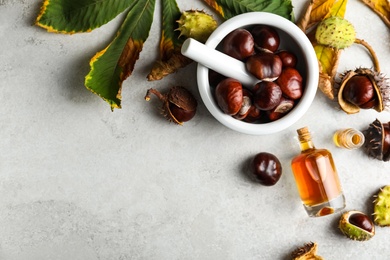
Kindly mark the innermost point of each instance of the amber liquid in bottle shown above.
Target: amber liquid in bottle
(316, 178)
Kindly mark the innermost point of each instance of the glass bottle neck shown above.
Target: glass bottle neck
(306, 145)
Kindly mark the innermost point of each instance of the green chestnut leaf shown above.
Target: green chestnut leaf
(111, 66)
(66, 16)
(228, 8)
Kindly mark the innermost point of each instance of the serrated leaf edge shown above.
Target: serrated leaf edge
(51, 29)
(88, 77)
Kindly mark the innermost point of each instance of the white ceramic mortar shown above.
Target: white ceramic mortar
(292, 39)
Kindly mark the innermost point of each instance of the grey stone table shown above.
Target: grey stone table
(78, 181)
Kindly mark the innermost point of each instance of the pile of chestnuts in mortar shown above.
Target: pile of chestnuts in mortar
(280, 84)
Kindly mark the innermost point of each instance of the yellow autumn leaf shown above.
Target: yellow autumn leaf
(381, 7)
(327, 57)
(339, 8)
(320, 10)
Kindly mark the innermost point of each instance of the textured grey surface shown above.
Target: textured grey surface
(78, 181)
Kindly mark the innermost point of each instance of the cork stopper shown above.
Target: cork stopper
(304, 134)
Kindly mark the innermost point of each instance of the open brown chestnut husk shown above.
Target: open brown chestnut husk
(306, 252)
(179, 105)
(363, 88)
(377, 142)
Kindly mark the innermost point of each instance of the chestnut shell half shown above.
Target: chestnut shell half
(377, 140)
(376, 79)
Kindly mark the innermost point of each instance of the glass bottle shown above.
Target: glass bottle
(316, 178)
(348, 138)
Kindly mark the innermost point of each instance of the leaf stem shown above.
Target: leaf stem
(155, 92)
(305, 17)
(372, 52)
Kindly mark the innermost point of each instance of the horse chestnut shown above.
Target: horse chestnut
(265, 168)
(229, 96)
(360, 91)
(264, 66)
(238, 44)
(288, 58)
(266, 38)
(267, 96)
(290, 81)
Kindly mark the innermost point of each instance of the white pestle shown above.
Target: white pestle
(218, 61)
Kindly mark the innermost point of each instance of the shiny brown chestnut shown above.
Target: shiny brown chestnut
(264, 66)
(238, 44)
(229, 96)
(288, 58)
(265, 168)
(362, 221)
(290, 81)
(266, 38)
(360, 91)
(267, 96)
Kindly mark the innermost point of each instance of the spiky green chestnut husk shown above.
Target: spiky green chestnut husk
(196, 24)
(382, 207)
(335, 32)
(356, 225)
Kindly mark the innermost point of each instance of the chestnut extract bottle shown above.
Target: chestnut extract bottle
(348, 138)
(316, 178)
